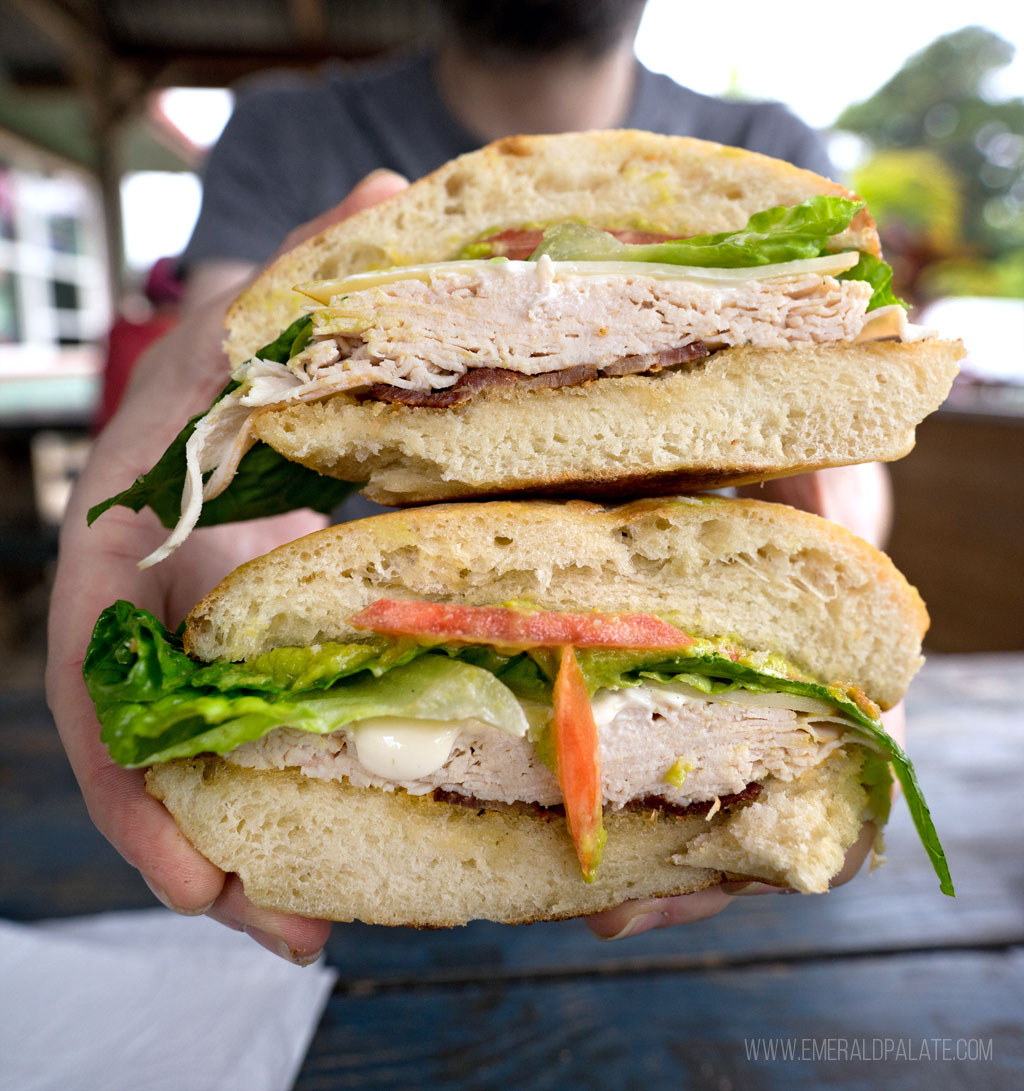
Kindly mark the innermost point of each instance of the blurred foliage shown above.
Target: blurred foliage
(946, 176)
(917, 201)
(966, 276)
(915, 188)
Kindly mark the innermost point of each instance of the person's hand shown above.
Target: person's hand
(856, 497)
(634, 918)
(177, 377)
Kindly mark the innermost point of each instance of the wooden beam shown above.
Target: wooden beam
(112, 91)
(196, 67)
(309, 17)
(85, 47)
(213, 67)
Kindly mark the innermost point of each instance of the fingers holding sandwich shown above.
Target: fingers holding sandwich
(636, 917)
(377, 186)
(136, 824)
(97, 566)
(856, 497)
(293, 938)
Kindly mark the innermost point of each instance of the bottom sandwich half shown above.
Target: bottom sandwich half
(524, 711)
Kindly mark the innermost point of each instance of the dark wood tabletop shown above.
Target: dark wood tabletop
(881, 983)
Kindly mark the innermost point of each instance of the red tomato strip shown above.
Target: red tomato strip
(579, 763)
(518, 244)
(505, 627)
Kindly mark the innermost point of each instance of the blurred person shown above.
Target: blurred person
(130, 337)
(293, 148)
(296, 145)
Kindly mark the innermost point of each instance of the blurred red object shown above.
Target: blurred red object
(128, 339)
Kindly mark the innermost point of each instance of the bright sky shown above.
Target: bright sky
(815, 63)
(200, 112)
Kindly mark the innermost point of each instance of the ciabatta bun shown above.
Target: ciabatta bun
(620, 178)
(327, 850)
(741, 415)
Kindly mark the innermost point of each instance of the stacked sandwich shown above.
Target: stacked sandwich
(531, 708)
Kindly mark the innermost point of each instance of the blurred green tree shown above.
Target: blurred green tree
(917, 200)
(946, 177)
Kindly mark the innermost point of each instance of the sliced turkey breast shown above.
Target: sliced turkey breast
(535, 317)
(656, 741)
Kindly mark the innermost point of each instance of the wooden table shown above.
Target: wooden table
(881, 983)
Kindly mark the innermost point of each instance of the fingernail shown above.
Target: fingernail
(745, 890)
(164, 898)
(280, 948)
(380, 174)
(642, 923)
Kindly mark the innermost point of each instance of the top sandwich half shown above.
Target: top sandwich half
(597, 314)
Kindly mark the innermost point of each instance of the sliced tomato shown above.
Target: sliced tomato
(579, 763)
(508, 628)
(517, 244)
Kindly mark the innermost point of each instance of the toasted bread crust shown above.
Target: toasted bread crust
(742, 415)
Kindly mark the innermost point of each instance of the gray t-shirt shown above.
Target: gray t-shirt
(294, 146)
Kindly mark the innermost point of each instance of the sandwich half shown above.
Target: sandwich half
(603, 314)
(525, 711)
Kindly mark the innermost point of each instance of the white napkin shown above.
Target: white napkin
(148, 1001)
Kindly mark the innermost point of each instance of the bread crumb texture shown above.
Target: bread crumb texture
(611, 179)
(741, 415)
(323, 849)
(794, 835)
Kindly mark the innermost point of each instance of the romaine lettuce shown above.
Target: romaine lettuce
(719, 673)
(155, 703)
(776, 235)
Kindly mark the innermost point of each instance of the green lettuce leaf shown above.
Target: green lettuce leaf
(718, 673)
(266, 482)
(775, 235)
(877, 778)
(133, 657)
(155, 703)
(879, 275)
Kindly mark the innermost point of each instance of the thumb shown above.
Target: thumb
(377, 186)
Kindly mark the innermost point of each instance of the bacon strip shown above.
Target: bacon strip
(555, 811)
(491, 378)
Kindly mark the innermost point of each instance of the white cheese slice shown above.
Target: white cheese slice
(323, 291)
